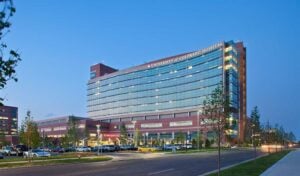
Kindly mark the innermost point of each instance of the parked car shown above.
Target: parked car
(8, 151)
(178, 146)
(83, 149)
(95, 149)
(46, 149)
(58, 149)
(169, 147)
(187, 146)
(109, 148)
(36, 153)
(1, 156)
(20, 149)
(70, 149)
(125, 147)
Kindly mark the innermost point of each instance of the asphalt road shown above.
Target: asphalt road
(167, 165)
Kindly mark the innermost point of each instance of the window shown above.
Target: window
(166, 116)
(138, 118)
(151, 117)
(184, 114)
(92, 74)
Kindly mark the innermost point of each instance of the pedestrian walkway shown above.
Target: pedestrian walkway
(288, 165)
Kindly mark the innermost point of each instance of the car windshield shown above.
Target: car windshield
(8, 148)
(37, 150)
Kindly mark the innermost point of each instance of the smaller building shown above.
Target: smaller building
(9, 124)
(56, 128)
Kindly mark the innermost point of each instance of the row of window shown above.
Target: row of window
(177, 92)
(152, 117)
(155, 100)
(154, 71)
(162, 76)
(192, 102)
(202, 77)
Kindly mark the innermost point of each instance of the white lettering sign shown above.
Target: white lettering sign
(184, 57)
(181, 123)
(151, 125)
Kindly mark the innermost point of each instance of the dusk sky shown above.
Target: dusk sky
(60, 40)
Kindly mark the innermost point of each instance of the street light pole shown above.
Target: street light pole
(198, 128)
(43, 142)
(135, 136)
(147, 137)
(98, 137)
(253, 142)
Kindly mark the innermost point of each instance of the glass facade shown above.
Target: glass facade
(178, 85)
(182, 84)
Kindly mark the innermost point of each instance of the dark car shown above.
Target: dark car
(20, 149)
(70, 149)
(58, 149)
(109, 148)
(127, 147)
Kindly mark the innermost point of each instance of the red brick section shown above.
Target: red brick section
(9, 112)
(101, 69)
(165, 126)
(243, 89)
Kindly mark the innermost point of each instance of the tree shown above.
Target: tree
(216, 108)
(3, 141)
(291, 136)
(64, 142)
(28, 133)
(72, 134)
(180, 137)
(198, 140)
(255, 125)
(248, 131)
(9, 61)
(123, 134)
(137, 137)
(207, 143)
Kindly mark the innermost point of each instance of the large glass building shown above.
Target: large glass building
(165, 96)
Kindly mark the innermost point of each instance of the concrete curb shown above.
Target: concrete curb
(230, 166)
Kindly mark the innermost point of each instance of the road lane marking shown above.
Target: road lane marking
(158, 172)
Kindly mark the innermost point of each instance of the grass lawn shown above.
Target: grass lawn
(50, 161)
(60, 156)
(253, 168)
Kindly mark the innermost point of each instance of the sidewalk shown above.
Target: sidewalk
(288, 165)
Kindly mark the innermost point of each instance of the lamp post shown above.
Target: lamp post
(253, 142)
(186, 140)
(135, 135)
(147, 137)
(98, 137)
(198, 128)
(43, 142)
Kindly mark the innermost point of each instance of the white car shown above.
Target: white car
(36, 153)
(8, 151)
(83, 149)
